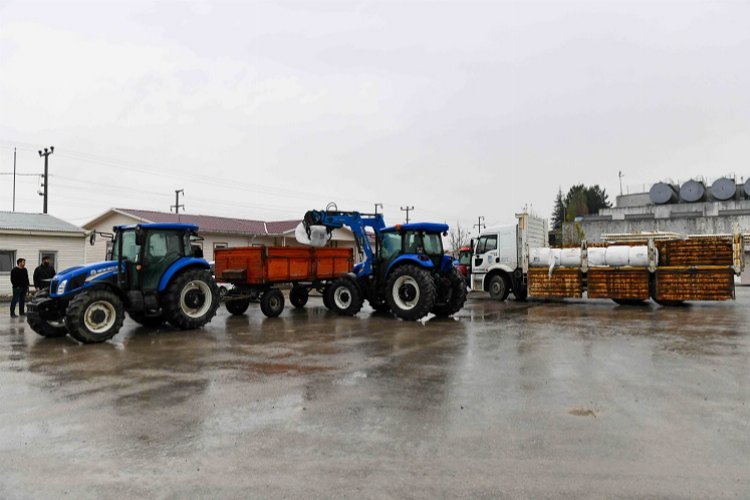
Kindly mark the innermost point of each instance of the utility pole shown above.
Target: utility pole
(14, 179)
(376, 207)
(407, 210)
(619, 174)
(177, 206)
(46, 154)
(480, 224)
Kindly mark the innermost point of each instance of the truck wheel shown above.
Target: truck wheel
(670, 303)
(94, 316)
(142, 319)
(629, 302)
(344, 297)
(499, 287)
(191, 299)
(410, 292)
(237, 307)
(272, 302)
(455, 295)
(298, 296)
(47, 328)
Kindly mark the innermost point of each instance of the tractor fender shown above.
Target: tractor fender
(497, 271)
(178, 266)
(409, 259)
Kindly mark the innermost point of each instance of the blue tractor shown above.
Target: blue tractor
(406, 272)
(155, 274)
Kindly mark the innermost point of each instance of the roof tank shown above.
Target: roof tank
(663, 193)
(724, 189)
(692, 191)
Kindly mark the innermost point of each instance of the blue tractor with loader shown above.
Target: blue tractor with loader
(154, 273)
(404, 268)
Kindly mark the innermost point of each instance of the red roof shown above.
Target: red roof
(212, 224)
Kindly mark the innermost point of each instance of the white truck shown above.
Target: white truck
(630, 270)
(501, 253)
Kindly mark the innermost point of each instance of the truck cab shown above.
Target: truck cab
(497, 264)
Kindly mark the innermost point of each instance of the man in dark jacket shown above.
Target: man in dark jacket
(42, 274)
(19, 279)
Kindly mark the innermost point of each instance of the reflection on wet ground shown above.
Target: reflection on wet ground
(583, 398)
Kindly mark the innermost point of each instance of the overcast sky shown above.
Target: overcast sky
(264, 110)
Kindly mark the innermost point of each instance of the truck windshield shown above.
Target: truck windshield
(130, 250)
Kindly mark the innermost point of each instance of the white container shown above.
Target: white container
(597, 257)
(554, 256)
(639, 256)
(618, 256)
(570, 257)
(539, 257)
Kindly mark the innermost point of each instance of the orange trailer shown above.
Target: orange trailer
(256, 273)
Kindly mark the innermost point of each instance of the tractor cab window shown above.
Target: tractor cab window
(419, 242)
(164, 245)
(390, 245)
(130, 250)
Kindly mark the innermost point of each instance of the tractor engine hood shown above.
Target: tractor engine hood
(74, 278)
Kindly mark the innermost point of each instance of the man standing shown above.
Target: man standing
(43, 274)
(19, 279)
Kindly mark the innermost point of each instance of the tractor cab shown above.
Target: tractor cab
(421, 241)
(464, 262)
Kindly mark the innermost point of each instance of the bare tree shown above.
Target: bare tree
(458, 237)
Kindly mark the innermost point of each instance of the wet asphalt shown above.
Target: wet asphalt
(508, 400)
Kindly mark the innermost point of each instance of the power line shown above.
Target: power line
(407, 210)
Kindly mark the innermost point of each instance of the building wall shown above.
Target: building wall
(71, 251)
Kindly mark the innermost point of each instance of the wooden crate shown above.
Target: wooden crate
(708, 251)
(564, 283)
(618, 283)
(694, 283)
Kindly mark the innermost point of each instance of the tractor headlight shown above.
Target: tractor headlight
(61, 287)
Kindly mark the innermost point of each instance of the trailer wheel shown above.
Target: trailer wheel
(191, 300)
(94, 316)
(455, 295)
(150, 321)
(237, 307)
(499, 287)
(272, 302)
(410, 292)
(344, 297)
(298, 296)
(326, 302)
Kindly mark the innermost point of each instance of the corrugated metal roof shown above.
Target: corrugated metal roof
(43, 223)
(213, 224)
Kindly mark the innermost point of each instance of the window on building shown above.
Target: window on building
(7, 260)
(49, 254)
(221, 245)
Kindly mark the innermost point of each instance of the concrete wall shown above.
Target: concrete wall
(71, 251)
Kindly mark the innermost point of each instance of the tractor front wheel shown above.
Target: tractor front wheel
(455, 295)
(410, 292)
(272, 302)
(344, 297)
(298, 296)
(94, 316)
(47, 328)
(191, 299)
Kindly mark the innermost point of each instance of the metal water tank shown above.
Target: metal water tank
(662, 193)
(747, 188)
(692, 191)
(724, 189)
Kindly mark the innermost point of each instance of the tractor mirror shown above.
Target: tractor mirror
(197, 251)
(108, 255)
(92, 238)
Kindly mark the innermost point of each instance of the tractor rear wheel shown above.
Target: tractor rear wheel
(344, 297)
(499, 287)
(237, 307)
(272, 302)
(191, 299)
(455, 295)
(150, 321)
(94, 316)
(410, 292)
(298, 296)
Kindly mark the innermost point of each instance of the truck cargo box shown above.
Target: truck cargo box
(699, 251)
(261, 265)
(563, 283)
(618, 283)
(687, 283)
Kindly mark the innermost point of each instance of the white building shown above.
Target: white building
(32, 236)
(218, 232)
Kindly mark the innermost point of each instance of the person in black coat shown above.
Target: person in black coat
(43, 274)
(19, 279)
